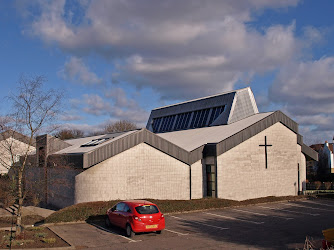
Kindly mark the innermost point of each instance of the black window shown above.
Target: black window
(211, 180)
(147, 209)
(215, 113)
(156, 124)
(198, 118)
(205, 118)
(183, 124)
(164, 123)
(171, 123)
(193, 119)
(186, 120)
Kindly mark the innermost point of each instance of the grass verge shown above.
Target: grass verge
(91, 210)
(26, 220)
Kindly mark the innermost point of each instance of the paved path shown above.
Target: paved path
(282, 225)
(39, 211)
(4, 213)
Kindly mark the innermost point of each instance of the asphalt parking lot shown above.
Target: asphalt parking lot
(282, 225)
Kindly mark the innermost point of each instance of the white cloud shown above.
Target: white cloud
(198, 48)
(314, 35)
(116, 105)
(76, 71)
(70, 117)
(306, 90)
(86, 128)
(95, 105)
(306, 87)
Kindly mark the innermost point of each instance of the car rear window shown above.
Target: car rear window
(147, 209)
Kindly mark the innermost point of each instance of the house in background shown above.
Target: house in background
(325, 150)
(328, 151)
(12, 146)
(217, 146)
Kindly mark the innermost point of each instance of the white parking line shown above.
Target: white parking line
(233, 218)
(266, 215)
(201, 223)
(313, 202)
(175, 232)
(109, 231)
(296, 205)
(285, 210)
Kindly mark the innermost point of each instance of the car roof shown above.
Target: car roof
(138, 202)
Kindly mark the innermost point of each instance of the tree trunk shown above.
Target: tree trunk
(20, 200)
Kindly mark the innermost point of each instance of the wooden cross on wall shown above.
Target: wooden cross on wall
(265, 149)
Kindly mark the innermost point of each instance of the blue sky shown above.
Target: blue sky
(120, 59)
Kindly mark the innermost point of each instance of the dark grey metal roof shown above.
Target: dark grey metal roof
(124, 143)
(254, 129)
(190, 155)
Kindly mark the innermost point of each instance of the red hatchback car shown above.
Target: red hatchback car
(136, 216)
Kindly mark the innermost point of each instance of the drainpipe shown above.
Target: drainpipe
(189, 182)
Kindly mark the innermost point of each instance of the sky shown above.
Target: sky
(119, 59)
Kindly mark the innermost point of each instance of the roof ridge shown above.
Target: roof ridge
(201, 98)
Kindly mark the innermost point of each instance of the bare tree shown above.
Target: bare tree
(33, 109)
(66, 134)
(120, 126)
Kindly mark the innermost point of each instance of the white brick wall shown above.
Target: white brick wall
(242, 174)
(140, 172)
(197, 180)
(302, 171)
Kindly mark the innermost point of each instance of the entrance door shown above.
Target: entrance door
(211, 180)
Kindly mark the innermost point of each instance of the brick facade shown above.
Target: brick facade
(197, 180)
(242, 174)
(140, 172)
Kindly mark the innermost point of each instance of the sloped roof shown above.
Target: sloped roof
(17, 136)
(194, 138)
(187, 145)
(76, 147)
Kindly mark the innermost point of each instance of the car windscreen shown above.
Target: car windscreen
(147, 209)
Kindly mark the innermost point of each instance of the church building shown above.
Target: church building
(217, 146)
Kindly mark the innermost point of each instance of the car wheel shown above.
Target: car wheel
(108, 224)
(128, 231)
(159, 232)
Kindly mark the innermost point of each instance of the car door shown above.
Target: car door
(125, 214)
(116, 214)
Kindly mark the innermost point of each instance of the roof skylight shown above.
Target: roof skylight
(94, 142)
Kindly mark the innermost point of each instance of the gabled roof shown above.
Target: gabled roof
(17, 136)
(194, 138)
(186, 146)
